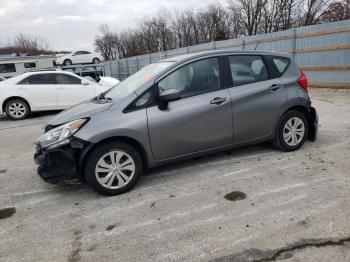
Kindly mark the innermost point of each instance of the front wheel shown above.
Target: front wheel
(113, 168)
(67, 62)
(291, 131)
(17, 109)
(95, 60)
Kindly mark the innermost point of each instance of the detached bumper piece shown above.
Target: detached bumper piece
(58, 164)
(313, 124)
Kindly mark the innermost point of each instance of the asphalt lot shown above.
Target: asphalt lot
(293, 206)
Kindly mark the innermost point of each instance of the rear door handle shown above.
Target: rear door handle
(218, 100)
(275, 87)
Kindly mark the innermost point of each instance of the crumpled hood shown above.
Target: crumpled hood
(82, 110)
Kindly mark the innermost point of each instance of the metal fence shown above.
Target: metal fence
(323, 51)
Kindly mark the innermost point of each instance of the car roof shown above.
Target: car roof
(185, 57)
(48, 72)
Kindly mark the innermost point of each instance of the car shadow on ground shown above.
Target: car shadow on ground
(176, 169)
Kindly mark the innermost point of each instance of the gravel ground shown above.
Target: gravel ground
(255, 204)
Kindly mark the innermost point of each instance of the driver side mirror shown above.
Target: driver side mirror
(167, 96)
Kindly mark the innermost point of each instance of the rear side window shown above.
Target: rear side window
(193, 79)
(247, 69)
(63, 79)
(40, 79)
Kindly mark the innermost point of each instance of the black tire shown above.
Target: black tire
(20, 104)
(95, 60)
(67, 62)
(279, 141)
(99, 152)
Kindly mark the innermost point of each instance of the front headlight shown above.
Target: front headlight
(59, 136)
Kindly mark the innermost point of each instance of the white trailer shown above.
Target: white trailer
(13, 66)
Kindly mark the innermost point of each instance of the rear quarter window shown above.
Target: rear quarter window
(279, 65)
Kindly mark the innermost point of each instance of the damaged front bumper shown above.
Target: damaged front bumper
(61, 163)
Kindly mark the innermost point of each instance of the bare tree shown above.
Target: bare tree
(336, 11)
(22, 43)
(167, 30)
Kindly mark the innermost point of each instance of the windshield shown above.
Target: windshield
(134, 81)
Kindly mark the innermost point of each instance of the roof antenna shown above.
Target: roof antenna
(256, 46)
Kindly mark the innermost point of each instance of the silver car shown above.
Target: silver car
(178, 108)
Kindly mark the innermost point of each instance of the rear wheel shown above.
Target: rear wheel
(17, 109)
(113, 168)
(95, 60)
(291, 131)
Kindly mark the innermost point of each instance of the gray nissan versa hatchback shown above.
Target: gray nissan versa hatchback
(175, 109)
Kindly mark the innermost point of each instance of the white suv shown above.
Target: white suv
(79, 57)
(44, 90)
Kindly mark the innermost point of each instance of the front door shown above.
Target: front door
(257, 100)
(70, 91)
(200, 120)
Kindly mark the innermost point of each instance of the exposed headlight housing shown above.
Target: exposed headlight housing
(60, 135)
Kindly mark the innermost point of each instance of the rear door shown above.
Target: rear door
(70, 91)
(200, 120)
(40, 90)
(257, 98)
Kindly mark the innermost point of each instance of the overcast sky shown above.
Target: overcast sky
(73, 24)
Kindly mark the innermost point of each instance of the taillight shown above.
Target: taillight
(302, 81)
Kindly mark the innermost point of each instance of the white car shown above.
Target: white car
(44, 90)
(79, 57)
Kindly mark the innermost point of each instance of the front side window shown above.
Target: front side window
(7, 68)
(193, 79)
(39, 79)
(63, 79)
(29, 65)
(246, 69)
(136, 80)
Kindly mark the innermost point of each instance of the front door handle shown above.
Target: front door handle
(218, 100)
(275, 87)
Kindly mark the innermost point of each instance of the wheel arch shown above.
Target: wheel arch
(131, 141)
(3, 106)
(302, 109)
(67, 59)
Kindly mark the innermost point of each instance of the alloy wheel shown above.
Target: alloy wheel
(17, 110)
(293, 131)
(115, 169)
